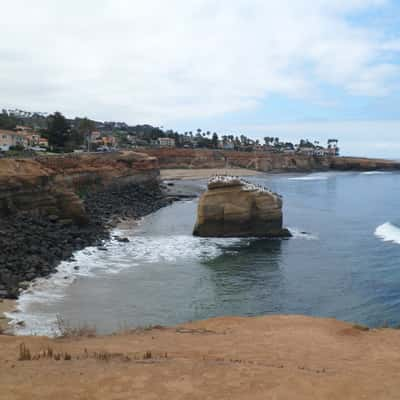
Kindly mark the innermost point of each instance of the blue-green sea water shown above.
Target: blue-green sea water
(343, 261)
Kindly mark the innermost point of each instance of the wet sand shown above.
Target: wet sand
(276, 357)
(176, 174)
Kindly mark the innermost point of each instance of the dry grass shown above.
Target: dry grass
(24, 353)
(65, 330)
(361, 327)
(50, 354)
(46, 354)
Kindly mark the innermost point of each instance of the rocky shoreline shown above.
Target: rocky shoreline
(32, 246)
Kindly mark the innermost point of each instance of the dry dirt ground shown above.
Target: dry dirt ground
(203, 173)
(277, 357)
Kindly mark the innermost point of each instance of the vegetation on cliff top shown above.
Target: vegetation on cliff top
(66, 135)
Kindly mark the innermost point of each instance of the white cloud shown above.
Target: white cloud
(158, 60)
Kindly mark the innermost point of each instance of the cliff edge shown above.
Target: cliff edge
(232, 207)
(51, 185)
(274, 357)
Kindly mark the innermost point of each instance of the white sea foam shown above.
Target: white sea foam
(93, 262)
(388, 233)
(299, 234)
(375, 173)
(311, 177)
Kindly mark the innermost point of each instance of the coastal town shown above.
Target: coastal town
(25, 132)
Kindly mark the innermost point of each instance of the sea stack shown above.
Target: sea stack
(233, 207)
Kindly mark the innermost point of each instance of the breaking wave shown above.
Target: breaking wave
(112, 259)
(375, 173)
(311, 177)
(299, 234)
(388, 233)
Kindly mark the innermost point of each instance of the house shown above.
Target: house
(258, 147)
(43, 142)
(225, 145)
(166, 142)
(94, 136)
(289, 150)
(333, 149)
(320, 152)
(10, 139)
(23, 129)
(109, 141)
(268, 148)
(308, 151)
(32, 138)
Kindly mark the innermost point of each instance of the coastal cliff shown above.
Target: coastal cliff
(363, 164)
(266, 162)
(232, 207)
(262, 161)
(52, 185)
(53, 206)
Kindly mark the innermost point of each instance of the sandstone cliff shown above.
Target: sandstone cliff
(232, 207)
(51, 207)
(51, 185)
(363, 164)
(261, 161)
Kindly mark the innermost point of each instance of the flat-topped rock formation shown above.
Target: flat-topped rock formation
(233, 207)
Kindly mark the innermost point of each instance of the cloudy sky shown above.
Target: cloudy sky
(287, 68)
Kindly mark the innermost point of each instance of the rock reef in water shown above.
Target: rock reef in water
(233, 207)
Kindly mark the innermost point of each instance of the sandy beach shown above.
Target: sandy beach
(5, 306)
(275, 357)
(177, 174)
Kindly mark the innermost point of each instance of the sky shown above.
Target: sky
(294, 69)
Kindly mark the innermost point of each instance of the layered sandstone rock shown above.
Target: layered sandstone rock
(263, 161)
(51, 185)
(260, 161)
(232, 207)
(363, 164)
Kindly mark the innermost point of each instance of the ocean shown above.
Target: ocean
(342, 262)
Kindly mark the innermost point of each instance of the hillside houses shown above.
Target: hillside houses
(10, 139)
(23, 138)
(21, 129)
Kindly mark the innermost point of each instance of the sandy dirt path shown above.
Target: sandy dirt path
(278, 357)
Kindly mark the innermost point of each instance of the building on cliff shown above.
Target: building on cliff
(166, 142)
(9, 139)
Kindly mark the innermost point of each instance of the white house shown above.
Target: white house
(10, 139)
(166, 142)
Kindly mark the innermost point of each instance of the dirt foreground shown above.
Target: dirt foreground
(278, 357)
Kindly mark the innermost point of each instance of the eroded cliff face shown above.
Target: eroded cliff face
(51, 207)
(363, 164)
(52, 185)
(232, 207)
(265, 162)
